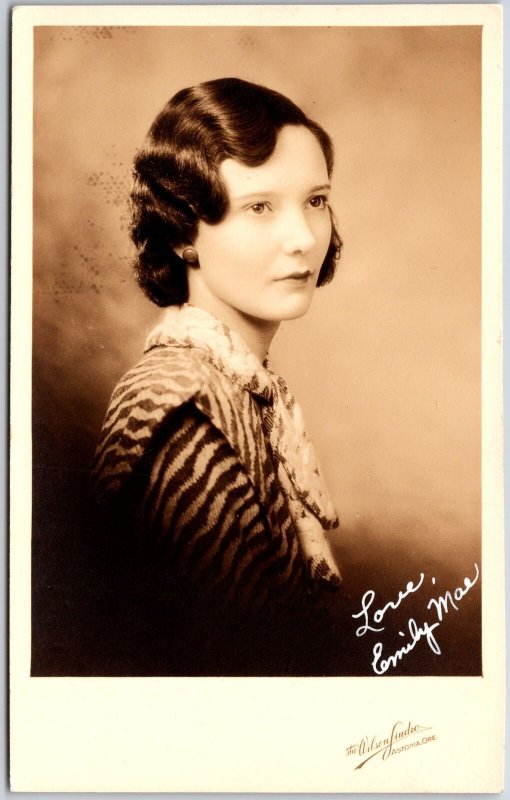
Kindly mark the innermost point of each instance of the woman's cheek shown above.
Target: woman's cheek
(324, 229)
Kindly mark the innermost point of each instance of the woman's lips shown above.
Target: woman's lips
(297, 276)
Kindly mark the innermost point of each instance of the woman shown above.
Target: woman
(204, 465)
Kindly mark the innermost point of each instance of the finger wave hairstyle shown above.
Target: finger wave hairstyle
(176, 174)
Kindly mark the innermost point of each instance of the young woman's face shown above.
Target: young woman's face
(263, 259)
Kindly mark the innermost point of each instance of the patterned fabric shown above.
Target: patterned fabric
(193, 358)
(240, 550)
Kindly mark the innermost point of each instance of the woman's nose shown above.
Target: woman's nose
(297, 236)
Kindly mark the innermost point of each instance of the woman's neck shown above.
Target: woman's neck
(256, 333)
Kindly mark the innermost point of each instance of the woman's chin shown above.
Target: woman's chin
(283, 309)
(293, 307)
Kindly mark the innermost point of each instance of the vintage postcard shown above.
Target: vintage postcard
(248, 241)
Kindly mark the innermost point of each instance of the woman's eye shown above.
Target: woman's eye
(318, 201)
(258, 208)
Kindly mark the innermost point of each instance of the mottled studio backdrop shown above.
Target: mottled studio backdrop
(387, 363)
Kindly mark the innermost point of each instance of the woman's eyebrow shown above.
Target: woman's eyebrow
(325, 187)
(271, 193)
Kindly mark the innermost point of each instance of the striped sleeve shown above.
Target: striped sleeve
(201, 513)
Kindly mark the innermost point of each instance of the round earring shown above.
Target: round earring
(190, 256)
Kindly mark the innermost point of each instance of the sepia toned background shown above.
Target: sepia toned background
(387, 363)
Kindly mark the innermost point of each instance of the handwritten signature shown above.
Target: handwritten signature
(440, 605)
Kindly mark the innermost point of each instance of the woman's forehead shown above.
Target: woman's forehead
(296, 163)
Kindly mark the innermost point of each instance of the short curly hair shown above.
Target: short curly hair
(177, 181)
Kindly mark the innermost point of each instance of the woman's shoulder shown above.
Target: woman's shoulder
(163, 376)
(163, 381)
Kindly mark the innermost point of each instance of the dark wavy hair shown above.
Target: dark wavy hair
(177, 181)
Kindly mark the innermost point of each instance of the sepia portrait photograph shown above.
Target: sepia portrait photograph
(256, 381)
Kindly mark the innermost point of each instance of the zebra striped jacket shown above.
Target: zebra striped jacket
(204, 450)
